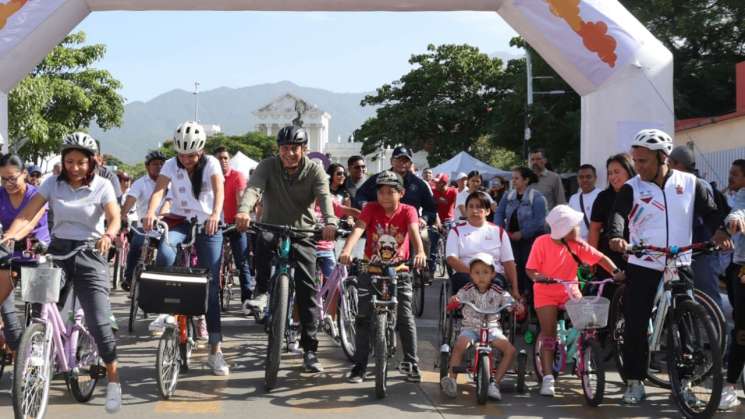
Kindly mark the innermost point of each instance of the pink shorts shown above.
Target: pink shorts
(553, 294)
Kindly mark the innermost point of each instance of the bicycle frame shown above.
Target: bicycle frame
(61, 336)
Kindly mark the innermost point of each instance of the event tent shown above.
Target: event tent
(464, 162)
(242, 163)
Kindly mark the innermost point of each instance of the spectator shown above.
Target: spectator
(549, 183)
(497, 188)
(57, 169)
(445, 197)
(125, 181)
(522, 212)
(337, 181)
(34, 175)
(461, 179)
(705, 266)
(427, 177)
(582, 201)
(620, 169)
(474, 185)
(357, 175)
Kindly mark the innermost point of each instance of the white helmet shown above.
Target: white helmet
(79, 141)
(189, 138)
(655, 140)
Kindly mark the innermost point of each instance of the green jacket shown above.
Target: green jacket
(289, 200)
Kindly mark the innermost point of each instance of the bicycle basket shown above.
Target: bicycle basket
(40, 284)
(588, 312)
(174, 290)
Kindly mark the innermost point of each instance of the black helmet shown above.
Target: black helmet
(154, 155)
(292, 135)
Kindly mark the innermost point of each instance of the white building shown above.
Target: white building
(281, 112)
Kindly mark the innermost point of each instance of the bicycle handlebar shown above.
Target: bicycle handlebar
(510, 303)
(44, 257)
(672, 251)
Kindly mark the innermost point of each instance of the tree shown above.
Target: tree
(255, 145)
(64, 93)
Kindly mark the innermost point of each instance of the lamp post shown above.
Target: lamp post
(529, 103)
(196, 101)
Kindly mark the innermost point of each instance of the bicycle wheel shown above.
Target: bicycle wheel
(381, 355)
(592, 372)
(616, 324)
(168, 363)
(557, 365)
(417, 301)
(278, 318)
(442, 315)
(483, 375)
(696, 367)
(224, 278)
(134, 294)
(717, 316)
(83, 379)
(346, 315)
(33, 372)
(186, 348)
(117, 272)
(522, 361)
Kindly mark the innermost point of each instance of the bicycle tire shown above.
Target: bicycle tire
(685, 313)
(134, 294)
(187, 348)
(483, 375)
(86, 348)
(346, 315)
(522, 361)
(168, 363)
(279, 312)
(538, 366)
(117, 269)
(417, 298)
(720, 322)
(616, 323)
(592, 360)
(381, 355)
(34, 332)
(442, 315)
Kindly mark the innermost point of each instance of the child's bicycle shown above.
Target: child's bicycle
(337, 296)
(579, 345)
(49, 346)
(480, 364)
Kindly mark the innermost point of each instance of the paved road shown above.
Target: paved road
(200, 394)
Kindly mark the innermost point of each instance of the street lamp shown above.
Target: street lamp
(196, 101)
(530, 93)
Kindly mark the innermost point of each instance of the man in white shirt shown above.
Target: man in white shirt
(584, 198)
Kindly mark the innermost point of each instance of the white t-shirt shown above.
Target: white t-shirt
(588, 199)
(142, 189)
(461, 200)
(184, 203)
(465, 241)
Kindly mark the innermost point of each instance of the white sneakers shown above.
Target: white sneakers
(260, 301)
(547, 386)
(493, 391)
(158, 325)
(634, 392)
(113, 397)
(449, 386)
(217, 362)
(729, 398)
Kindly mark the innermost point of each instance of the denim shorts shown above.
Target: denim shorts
(473, 334)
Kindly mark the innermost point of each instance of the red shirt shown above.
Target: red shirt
(235, 183)
(388, 237)
(445, 203)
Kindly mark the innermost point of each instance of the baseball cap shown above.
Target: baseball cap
(483, 257)
(442, 177)
(460, 176)
(32, 168)
(389, 178)
(401, 151)
(562, 219)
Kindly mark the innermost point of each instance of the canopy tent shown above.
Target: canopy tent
(464, 162)
(242, 163)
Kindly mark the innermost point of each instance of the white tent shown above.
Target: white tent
(464, 162)
(242, 163)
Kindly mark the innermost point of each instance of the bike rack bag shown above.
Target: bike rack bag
(174, 290)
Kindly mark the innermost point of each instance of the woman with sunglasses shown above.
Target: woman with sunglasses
(342, 201)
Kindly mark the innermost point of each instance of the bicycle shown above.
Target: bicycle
(691, 338)
(121, 249)
(147, 258)
(581, 342)
(48, 347)
(227, 279)
(337, 296)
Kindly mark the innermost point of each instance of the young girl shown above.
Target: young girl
(557, 256)
(486, 296)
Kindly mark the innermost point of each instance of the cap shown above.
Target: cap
(32, 168)
(401, 151)
(562, 219)
(482, 257)
(389, 178)
(460, 176)
(442, 177)
(683, 155)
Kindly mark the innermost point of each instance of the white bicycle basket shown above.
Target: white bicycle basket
(40, 285)
(588, 312)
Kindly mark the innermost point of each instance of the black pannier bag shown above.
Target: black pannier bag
(174, 290)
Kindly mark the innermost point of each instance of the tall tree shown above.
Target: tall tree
(64, 93)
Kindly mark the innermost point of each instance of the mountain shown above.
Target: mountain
(148, 123)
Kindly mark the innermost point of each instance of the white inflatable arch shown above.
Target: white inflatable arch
(622, 72)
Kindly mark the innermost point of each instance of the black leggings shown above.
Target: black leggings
(737, 344)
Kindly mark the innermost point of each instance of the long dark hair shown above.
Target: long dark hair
(526, 173)
(92, 166)
(624, 160)
(196, 177)
(12, 160)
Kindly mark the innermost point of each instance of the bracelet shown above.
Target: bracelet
(110, 236)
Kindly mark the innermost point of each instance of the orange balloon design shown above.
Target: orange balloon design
(594, 34)
(9, 9)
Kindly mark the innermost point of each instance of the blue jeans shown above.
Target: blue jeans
(135, 250)
(705, 277)
(434, 241)
(327, 261)
(239, 248)
(208, 255)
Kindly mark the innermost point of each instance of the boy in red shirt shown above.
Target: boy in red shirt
(390, 225)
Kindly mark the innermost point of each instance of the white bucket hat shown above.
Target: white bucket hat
(562, 219)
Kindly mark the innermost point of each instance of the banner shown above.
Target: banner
(19, 18)
(583, 32)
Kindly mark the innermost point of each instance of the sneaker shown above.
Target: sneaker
(547, 386)
(113, 397)
(258, 302)
(493, 391)
(246, 307)
(311, 362)
(414, 376)
(126, 284)
(729, 398)
(217, 362)
(634, 392)
(404, 367)
(158, 325)
(202, 329)
(449, 386)
(356, 375)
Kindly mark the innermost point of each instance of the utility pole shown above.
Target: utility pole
(530, 93)
(196, 101)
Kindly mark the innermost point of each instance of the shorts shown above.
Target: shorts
(473, 334)
(552, 295)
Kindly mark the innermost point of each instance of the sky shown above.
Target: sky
(154, 52)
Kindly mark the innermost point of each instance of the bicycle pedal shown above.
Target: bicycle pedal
(97, 371)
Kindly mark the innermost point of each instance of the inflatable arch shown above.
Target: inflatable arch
(622, 72)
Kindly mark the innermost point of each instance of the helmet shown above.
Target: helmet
(655, 140)
(154, 155)
(79, 141)
(189, 138)
(292, 135)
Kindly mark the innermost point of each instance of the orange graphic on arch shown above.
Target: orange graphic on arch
(594, 34)
(9, 9)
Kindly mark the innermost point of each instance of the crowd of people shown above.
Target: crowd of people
(503, 238)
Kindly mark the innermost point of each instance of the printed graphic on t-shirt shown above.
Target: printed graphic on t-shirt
(387, 240)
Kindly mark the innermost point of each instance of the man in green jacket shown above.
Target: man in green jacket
(288, 186)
